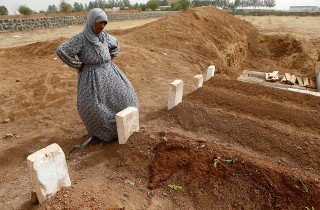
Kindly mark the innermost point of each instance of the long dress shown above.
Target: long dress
(103, 89)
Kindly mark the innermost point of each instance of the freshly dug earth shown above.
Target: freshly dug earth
(228, 145)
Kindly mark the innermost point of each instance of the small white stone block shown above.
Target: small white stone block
(49, 171)
(198, 81)
(127, 123)
(318, 82)
(175, 93)
(210, 72)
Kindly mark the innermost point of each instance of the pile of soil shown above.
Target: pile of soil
(227, 145)
(207, 35)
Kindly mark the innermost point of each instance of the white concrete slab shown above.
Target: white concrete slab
(127, 123)
(318, 82)
(317, 73)
(210, 72)
(49, 171)
(306, 82)
(304, 91)
(175, 93)
(198, 81)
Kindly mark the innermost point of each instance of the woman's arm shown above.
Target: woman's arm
(68, 51)
(113, 45)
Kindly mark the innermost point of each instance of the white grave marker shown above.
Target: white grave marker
(210, 72)
(317, 72)
(49, 171)
(198, 81)
(175, 93)
(127, 123)
(318, 82)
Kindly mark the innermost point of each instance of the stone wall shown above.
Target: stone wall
(276, 13)
(50, 22)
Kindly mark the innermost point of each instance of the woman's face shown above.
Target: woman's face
(100, 26)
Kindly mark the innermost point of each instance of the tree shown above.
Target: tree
(3, 10)
(164, 3)
(78, 7)
(184, 4)
(52, 9)
(136, 6)
(125, 3)
(175, 6)
(90, 5)
(153, 4)
(143, 7)
(99, 4)
(65, 7)
(270, 3)
(236, 3)
(24, 10)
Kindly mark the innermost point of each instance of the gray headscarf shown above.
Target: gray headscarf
(95, 15)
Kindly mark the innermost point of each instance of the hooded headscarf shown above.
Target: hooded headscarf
(95, 15)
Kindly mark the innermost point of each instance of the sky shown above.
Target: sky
(43, 4)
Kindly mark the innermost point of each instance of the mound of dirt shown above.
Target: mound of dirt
(36, 50)
(213, 36)
(228, 179)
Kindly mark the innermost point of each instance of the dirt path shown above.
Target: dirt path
(285, 24)
(13, 39)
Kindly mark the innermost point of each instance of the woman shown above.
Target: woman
(103, 89)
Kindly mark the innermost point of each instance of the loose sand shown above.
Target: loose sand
(13, 39)
(229, 145)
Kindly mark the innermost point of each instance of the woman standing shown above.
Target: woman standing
(103, 89)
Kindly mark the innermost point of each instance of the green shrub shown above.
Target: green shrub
(24, 10)
(3, 10)
(65, 7)
(153, 4)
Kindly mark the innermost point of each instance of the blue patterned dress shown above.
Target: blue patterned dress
(103, 89)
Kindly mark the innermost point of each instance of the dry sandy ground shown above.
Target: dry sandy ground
(13, 39)
(228, 145)
(286, 24)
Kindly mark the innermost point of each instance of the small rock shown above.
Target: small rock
(150, 193)
(55, 58)
(17, 80)
(8, 136)
(128, 181)
(65, 195)
(7, 120)
(34, 198)
(126, 194)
